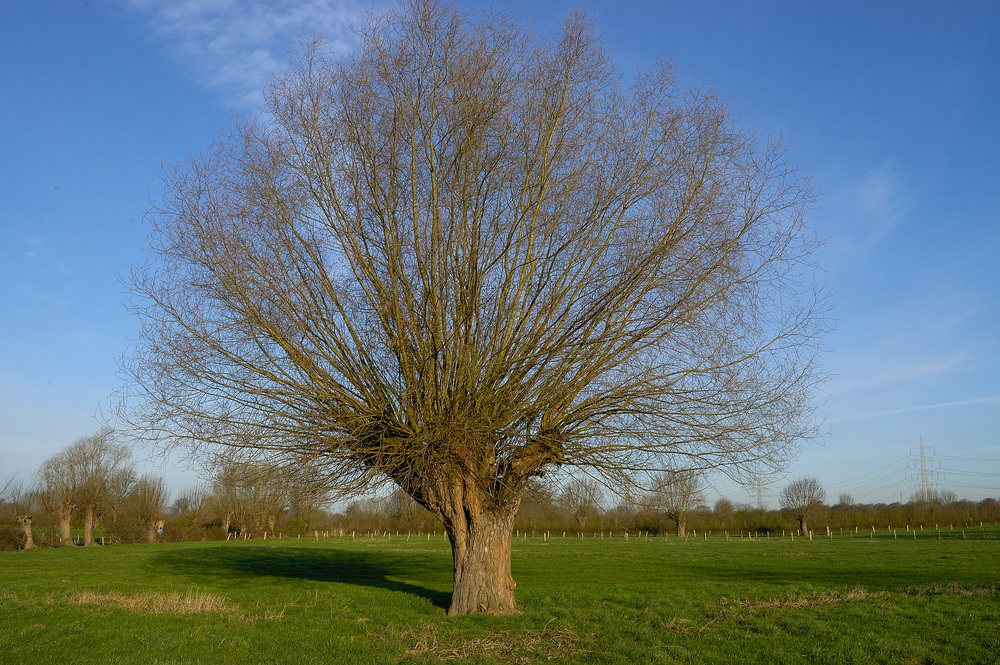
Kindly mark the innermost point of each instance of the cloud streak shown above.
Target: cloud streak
(924, 407)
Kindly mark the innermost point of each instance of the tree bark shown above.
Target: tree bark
(480, 547)
(25, 523)
(65, 537)
(680, 528)
(89, 522)
(803, 527)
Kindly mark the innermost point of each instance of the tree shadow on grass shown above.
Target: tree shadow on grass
(244, 562)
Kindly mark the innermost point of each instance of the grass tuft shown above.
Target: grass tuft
(151, 602)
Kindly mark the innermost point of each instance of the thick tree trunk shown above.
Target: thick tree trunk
(480, 546)
(803, 527)
(89, 523)
(25, 522)
(680, 528)
(65, 537)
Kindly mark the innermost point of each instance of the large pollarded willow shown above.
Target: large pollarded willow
(463, 255)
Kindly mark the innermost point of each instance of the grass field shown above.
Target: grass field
(854, 600)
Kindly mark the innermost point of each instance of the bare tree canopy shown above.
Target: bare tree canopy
(581, 498)
(677, 493)
(148, 500)
(465, 254)
(801, 498)
(103, 472)
(23, 499)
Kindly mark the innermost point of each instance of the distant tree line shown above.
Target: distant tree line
(91, 488)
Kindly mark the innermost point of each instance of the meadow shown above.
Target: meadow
(845, 599)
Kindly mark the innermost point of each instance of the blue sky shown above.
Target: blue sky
(893, 107)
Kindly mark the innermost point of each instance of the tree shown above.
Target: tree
(464, 255)
(581, 498)
(22, 499)
(102, 474)
(148, 501)
(193, 503)
(801, 498)
(254, 495)
(677, 493)
(724, 511)
(58, 492)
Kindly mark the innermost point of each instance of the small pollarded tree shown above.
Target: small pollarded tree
(463, 255)
(193, 504)
(103, 475)
(675, 494)
(58, 492)
(801, 498)
(252, 494)
(147, 500)
(581, 499)
(23, 500)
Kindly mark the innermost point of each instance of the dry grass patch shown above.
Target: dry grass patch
(857, 594)
(151, 602)
(831, 598)
(952, 590)
(505, 647)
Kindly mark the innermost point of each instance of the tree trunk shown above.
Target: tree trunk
(88, 526)
(151, 531)
(582, 523)
(803, 528)
(680, 528)
(481, 553)
(65, 537)
(25, 522)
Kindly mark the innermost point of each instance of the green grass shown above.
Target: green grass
(375, 601)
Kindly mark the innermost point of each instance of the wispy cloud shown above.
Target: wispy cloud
(904, 373)
(236, 44)
(867, 211)
(924, 407)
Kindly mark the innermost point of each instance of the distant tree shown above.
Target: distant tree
(464, 254)
(801, 498)
(147, 500)
(724, 511)
(845, 501)
(23, 500)
(58, 492)
(581, 499)
(254, 495)
(675, 494)
(193, 504)
(307, 499)
(103, 475)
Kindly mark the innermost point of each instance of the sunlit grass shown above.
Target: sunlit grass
(611, 601)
